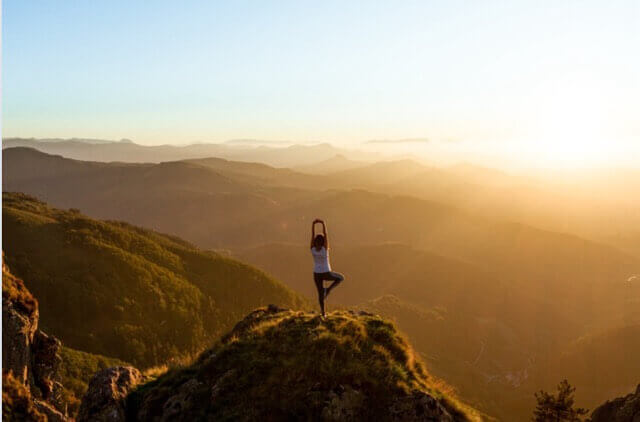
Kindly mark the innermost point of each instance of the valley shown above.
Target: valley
(493, 305)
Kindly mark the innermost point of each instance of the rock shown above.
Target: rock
(275, 308)
(57, 398)
(31, 356)
(344, 405)
(217, 387)
(419, 406)
(621, 409)
(18, 328)
(52, 414)
(45, 362)
(185, 401)
(17, 403)
(105, 397)
(181, 402)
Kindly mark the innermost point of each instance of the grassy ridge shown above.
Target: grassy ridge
(116, 290)
(290, 365)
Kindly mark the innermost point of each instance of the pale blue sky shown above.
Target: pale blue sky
(499, 73)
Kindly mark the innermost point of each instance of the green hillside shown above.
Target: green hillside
(113, 289)
(278, 364)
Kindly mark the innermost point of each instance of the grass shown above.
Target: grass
(14, 290)
(282, 364)
(17, 403)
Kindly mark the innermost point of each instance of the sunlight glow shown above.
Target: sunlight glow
(570, 126)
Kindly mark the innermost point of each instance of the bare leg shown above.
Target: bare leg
(320, 288)
(337, 279)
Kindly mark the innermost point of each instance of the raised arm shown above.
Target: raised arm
(324, 232)
(313, 231)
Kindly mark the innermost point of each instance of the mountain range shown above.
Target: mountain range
(495, 306)
(130, 152)
(598, 204)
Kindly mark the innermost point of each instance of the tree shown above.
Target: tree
(558, 408)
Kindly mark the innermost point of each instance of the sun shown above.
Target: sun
(569, 128)
(570, 143)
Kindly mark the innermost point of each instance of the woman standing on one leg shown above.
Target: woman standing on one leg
(321, 267)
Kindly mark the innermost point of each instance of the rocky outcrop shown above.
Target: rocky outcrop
(105, 398)
(19, 325)
(52, 414)
(29, 356)
(17, 403)
(621, 409)
(178, 405)
(342, 405)
(45, 361)
(419, 406)
(278, 364)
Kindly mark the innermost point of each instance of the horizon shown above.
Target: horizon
(472, 166)
(541, 172)
(531, 86)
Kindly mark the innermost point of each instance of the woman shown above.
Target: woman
(321, 267)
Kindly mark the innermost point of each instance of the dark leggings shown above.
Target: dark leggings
(319, 278)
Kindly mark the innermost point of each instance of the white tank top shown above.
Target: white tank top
(320, 260)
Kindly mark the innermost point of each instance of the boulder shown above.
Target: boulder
(105, 397)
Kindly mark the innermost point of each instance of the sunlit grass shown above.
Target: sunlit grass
(277, 358)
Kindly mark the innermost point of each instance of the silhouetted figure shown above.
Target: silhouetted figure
(321, 267)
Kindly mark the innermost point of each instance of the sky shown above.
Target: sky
(547, 81)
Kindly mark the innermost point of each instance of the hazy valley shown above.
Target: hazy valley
(497, 304)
